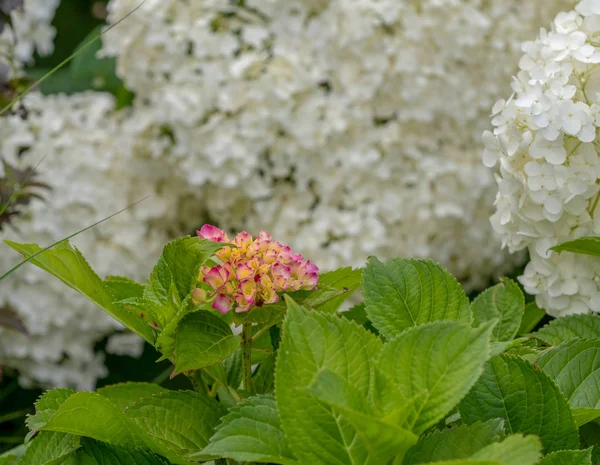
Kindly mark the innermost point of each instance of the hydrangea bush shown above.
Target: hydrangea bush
(344, 130)
(545, 138)
(415, 374)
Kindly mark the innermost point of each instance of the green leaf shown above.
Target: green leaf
(155, 422)
(50, 449)
(144, 310)
(569, 327)
(313, 341)
(590, 437)
(467, 462)
(45, 407)
(525, 397)
(62, 81)
(125, 394)
(401, 294)
(123, 288)
(439, 361)
(250, 432)
(582, 415)
(98, 453)
(233, 367)
(383, 440)
(459, 442)
(503, 346)
(333, 390)
(530, 349)
(88, 64)
(202, 339)
(183, 257)
(531, 317)
(178, 421)
(214, 373)
(264, 377)
(514, 450)
(161, 298)
(503, 302)
(568, 457)
(67, 264)
(90, 414)
(165, 342)
(10, 459)
(583, 245)
(265, 316)
(335, 287)
(262, 347)
(99, 73)
(358, 313)
(13, 456)
(175, 275)
(575, 368)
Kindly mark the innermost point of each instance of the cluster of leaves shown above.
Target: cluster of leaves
(416, 374)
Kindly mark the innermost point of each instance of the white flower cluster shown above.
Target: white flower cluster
(97, 162)
(545, 137)
(344, 128)
(31, 31)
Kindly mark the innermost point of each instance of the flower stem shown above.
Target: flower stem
(594, 205)
(247, 356)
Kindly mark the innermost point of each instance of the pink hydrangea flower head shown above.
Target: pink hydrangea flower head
(253, 271)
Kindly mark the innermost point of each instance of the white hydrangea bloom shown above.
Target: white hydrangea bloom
(31, 31)
(545, 138)
(344, 128)
(97, 162)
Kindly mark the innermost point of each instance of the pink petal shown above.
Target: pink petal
(243, 272)
(216, 277)
(223, 303)
(281, 271)
(310, 281)
(243, 240)
(264, 237)
(248, 289)
(212, 233)
(243, 304)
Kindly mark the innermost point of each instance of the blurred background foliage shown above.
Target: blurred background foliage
(77, 22)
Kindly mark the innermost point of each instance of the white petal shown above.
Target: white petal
(571, 125)
(535, 183)
(556, 155)
(553, 205)
(489, 158)
(587, 133)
